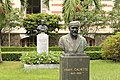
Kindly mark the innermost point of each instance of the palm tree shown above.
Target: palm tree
(11, 16)
(23, 6)
(7, 14)
(114, 16)
(89, 18)
(5, 7)
(71, 7)
(79, 10)
(46, 2)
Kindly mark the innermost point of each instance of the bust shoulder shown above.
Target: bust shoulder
(81, 37)
(42, 28)
(64, 36)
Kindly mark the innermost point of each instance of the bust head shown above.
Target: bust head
(74, 27)
(42, 27)
(42, 22)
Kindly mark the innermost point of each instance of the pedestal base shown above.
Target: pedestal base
(74, 68)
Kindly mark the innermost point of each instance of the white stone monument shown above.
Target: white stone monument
(42, 43)
(42, 38)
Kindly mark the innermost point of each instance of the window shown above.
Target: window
(34, 6)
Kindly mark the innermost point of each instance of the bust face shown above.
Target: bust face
(42, 22)
(73, 30)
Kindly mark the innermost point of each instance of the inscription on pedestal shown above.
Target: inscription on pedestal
(74, 68)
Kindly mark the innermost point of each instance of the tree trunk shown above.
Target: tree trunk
(0, 45)
(9, 38)
(33, 41)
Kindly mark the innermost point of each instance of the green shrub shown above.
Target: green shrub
(94, 55)
(52, 57)
(111, 46)
(14, 53)
(43, 58)
(53, 48)
(14, 56)
(93, 48)
(11, 56)
(19, 49)
(31, 21)
(14, 49)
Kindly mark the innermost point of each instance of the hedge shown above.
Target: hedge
(14, 53)
(54, 48)
(14, 56)
(11, 56)
(94, 55)
(14, 49)
(93, 48)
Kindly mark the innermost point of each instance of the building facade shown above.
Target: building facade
(37, 6)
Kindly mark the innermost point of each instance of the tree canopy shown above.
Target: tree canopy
(114, 16)
(80, 10)
(72, 7)
(32, 21)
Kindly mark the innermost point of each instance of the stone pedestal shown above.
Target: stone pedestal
(74, 68)
(42, 43)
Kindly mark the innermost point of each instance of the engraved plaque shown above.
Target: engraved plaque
(74, 68)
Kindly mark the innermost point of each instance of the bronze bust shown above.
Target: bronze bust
(42, 27)
(73, 44)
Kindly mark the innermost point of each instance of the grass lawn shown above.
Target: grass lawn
(104, 70)
(99, 70)
(15, 71)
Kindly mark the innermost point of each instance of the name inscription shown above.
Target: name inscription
(73, 71)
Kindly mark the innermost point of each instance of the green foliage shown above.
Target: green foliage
(91, 18)
(14, 56)
(9, 53)
(52, 48)
(71, 7)
(55, 48)
(2, 16)
(19, 49)
(94, 55)
(43, 58)
(32, 21)
(5, 9)
(7, 6)
(111, 46)
(114, 16)
(11, 56)
(12, 19)
(11, 15)
(79, 10)
(23, 4)
(46, 2)
(93, 48)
